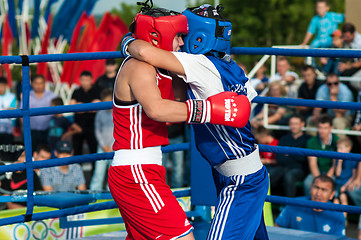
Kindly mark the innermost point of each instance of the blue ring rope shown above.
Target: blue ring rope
(111, 205)
(234, 50)
(26, 113)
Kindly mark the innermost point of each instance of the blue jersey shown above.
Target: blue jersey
(207, 76)
(307, 219)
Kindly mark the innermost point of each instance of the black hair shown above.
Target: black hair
(110, 61)
(307, 67)
(3, 80)
(57, 101)
(348, 27)
(299, 116)
(86, 74)
(38, 76)
(325, 118)
(325, 178)
(106, 93)
(331, 74)
(43, 147)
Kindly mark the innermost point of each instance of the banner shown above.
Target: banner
(49, 229)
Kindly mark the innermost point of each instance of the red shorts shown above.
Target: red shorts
(146, 203)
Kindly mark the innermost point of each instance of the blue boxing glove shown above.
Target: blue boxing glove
(128, 38)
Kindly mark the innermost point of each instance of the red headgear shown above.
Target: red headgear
(166, 27)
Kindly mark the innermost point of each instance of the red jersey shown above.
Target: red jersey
(133, 129)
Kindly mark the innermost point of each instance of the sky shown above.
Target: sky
(106, 5)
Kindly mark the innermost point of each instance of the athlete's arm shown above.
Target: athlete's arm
(157, 57)
(312, 162)
(143, 87)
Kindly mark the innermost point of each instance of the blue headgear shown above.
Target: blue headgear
(208, 31)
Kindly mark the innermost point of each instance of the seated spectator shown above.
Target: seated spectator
(353, 190)
(104, 136)
(107, 80)
(291, 168)
(333, 90)
(42, 152)
(263, 136)
(260, 80)
(308, 89)
(39, 97)
(324, 23)
(352, 39)
(324, 140)
(60, 127)
(86, 93)
(345, 171)
(66, 177)
(330, 65)
(357, 122)
(18, 183)
(7, 102)
(315, 220)
(288, 78)
(275, 112)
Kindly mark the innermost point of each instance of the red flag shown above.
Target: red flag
(107, 38)
(70, 67)
(6, 47)
(42, 67)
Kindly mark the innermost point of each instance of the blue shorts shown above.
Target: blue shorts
(239, 214)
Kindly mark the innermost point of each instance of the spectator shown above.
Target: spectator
(263, 136)
(291, 168)
(345, 172)
(60, 127)
(42, 152)
(106, 81)
(315, 220)
(174, 161)
(333, 90)
(104, 136)
(288, 78)
(352, 39)
(331, 64)
(39, 97)
(7, 102)
(66, 177)
(18, 183)
(275, 112)
(357, 122)
(324, 23)
(354, 192)
(260, 81)
(308, 89)
(86, 93)
(324, 140)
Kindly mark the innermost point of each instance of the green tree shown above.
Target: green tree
(126, 12)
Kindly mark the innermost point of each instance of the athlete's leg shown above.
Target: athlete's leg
(239, 211)
(189, 236)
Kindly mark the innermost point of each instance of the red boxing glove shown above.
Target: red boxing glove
(225, 108)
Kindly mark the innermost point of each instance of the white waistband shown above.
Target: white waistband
(151, 155)
(241, 166)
